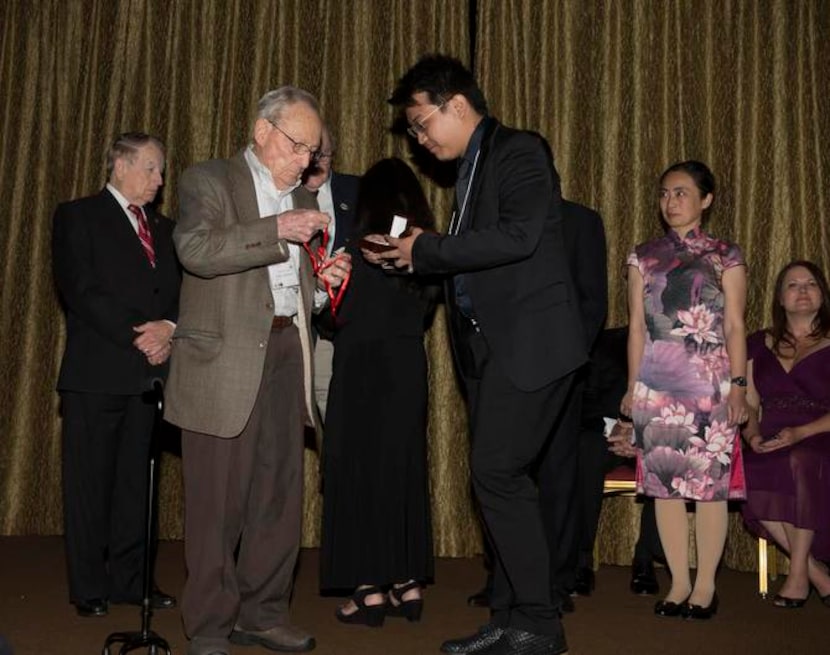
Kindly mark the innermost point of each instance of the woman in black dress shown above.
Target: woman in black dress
(377, 539)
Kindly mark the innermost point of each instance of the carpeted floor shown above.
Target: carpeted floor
(37, 619)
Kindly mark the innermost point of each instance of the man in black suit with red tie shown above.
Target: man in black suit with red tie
(515, 325)
(116, 271)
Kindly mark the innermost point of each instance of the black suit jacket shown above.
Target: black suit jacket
(108, 287)
(512, 250)
(585, 245)
(344, 196)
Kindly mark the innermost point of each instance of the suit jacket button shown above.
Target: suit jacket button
(262, 344)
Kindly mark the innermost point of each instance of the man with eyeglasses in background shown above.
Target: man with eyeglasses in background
(241, 375)
(336, 196)
(515, 326)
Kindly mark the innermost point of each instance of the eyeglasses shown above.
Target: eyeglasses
(416, 128)
(298, 147)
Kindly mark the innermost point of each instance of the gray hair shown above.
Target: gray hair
(126, 146)
(274, 103)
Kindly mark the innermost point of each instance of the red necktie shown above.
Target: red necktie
(144, 234)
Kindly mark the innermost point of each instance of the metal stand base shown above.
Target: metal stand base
(134, 640)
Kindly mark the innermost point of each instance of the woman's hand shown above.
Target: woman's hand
(784, 439)
(737, 410)
(756, 441)
(626, 402)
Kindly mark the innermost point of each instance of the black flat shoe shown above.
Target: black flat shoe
(789, 603)
(643, 579)
(667, 608)
(698, 612)
(92, 607)
(410, 609)
(371, 615)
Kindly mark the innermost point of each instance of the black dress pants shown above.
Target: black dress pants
(106, 445)
(509, 428)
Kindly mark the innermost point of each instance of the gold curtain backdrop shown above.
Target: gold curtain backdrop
(620, 88)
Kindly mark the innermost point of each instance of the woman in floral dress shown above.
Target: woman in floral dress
(687, 390)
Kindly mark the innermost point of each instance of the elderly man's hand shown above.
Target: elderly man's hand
(299, 225)
(335, 269)
(153, 337)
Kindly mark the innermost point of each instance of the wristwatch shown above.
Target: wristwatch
(739, 381)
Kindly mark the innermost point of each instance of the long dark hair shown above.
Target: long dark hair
(781, 335)
(388, 188)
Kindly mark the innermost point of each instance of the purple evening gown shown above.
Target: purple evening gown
(792, 484)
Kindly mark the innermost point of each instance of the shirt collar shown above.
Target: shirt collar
(119, 197)
(475, 141)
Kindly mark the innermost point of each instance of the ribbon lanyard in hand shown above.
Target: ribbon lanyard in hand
(319, 264)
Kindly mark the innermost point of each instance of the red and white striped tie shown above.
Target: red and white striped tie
(144, 234)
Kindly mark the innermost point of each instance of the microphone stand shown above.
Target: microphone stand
(146, 638)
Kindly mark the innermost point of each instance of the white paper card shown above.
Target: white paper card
(398, 226)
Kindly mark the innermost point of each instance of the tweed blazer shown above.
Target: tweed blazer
(226, 306)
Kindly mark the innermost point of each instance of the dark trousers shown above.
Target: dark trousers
(246, 492)
(558, 490)
(509, 428)
(106, 445)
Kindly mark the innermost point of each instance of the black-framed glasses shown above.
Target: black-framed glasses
(299, 147)
(416, 128)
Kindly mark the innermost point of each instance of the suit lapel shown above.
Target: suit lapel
(490, 131)
(241, 182)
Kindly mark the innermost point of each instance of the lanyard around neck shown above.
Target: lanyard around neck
(455, 221)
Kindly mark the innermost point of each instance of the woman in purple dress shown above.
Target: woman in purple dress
(788, 467)
(687, 390)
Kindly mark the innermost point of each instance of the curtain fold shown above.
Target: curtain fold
(620, 89)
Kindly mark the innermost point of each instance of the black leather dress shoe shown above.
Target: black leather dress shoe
(668, 609)
(564, 603)
(162, 601)
(91, 607)
(480, 598)
(698, 612)
(585, 581)
(486, 636)
(158, 600)
(644, 579)
(519, 642)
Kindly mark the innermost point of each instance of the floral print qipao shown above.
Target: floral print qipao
(685, 447)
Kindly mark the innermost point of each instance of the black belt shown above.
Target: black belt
(280, 322)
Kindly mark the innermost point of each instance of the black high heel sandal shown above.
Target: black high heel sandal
(371, 615)
(410, 609)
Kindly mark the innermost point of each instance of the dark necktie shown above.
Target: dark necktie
(144, 234)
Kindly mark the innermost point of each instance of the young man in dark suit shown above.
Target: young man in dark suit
(116, 271)
(516, 330)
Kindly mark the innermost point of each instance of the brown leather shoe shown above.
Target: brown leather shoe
(282, 638)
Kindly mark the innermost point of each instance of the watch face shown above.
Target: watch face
(739, 381)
